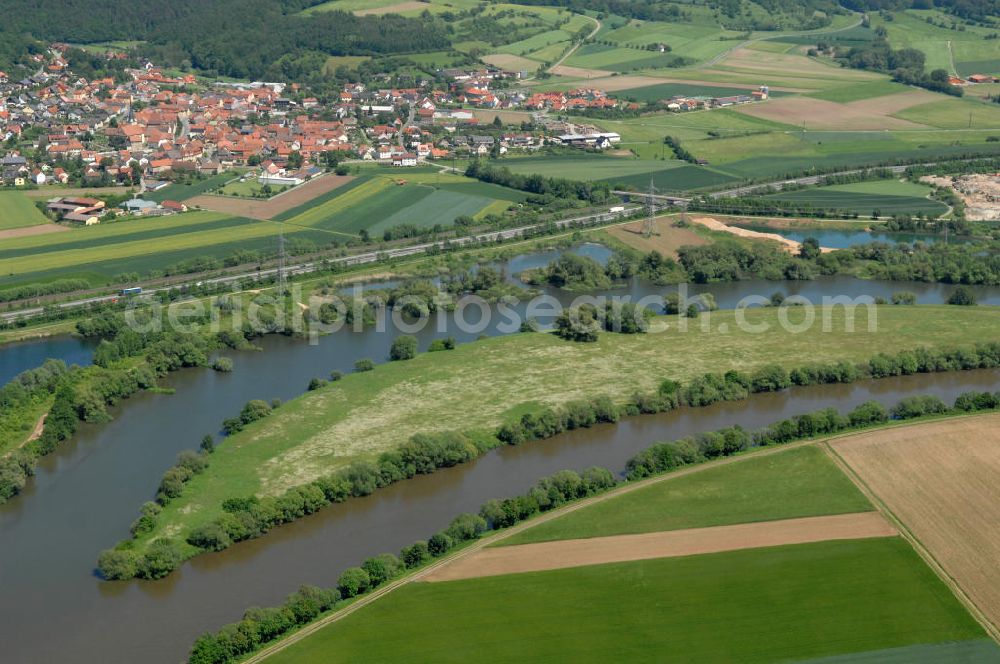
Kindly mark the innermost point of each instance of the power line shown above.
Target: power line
(649, 226)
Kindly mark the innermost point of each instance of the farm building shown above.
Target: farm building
(602, 139)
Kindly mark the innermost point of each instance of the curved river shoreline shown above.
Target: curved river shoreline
(85, 495)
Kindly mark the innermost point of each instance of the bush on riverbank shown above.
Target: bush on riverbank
(261, 626)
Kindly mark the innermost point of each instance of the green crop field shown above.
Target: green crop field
(182, 192)
(437, 207)
(954, 114)
(601, 56)
(478, 386)
(860, 91)
(794, 483)
(99, 252)
(586, 166)
(668, 90)
(18, 211)
(375, 202)
(683, 178)
(888, 197)
(755, 605)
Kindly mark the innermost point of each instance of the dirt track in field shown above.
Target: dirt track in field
(268, 209)
(694, 541)
(942, 481)
(25, 231)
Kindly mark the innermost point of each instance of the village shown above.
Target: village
(154, 128)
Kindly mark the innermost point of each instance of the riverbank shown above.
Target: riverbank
(478, 387)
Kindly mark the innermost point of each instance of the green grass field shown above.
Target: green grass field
(668, 90)
(586, 166)
(954, 114)
(888, 197)
(182, 192)
(857, 92)
(18, 211)
(683, 178)
(478, 386)
(756, 605)
(794, 483)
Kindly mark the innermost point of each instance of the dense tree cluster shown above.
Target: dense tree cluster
(592, 192)
(905, 64)
(239, 38)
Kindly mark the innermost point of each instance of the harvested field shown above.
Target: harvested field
(40, 229)
(942, 481)
(820, 114)
(624, 548)
(272, 207)
(392, 9)
(714, 224)
(666, 241)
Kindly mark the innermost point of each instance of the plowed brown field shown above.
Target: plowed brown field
(622, 548)
(942, 481)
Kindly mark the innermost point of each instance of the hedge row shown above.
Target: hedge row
(251, 517)
(260, 626)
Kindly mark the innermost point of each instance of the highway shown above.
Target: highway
(356, 259)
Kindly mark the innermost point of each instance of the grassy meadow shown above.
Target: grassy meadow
(478, 386)
(18, 211)
(755, 605)
(794, 483)
(887, 197)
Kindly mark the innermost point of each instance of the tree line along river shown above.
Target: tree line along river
(85, 495)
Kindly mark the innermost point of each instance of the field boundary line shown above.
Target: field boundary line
(990, 629)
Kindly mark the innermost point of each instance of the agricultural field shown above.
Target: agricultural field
(98, 253)
(19, 211)
(277, 206)
(667, 175)
(478, 386)
(940, 480)
(804, 601)
(330, 209)
(856, 593)
(953, 114)
(888, 197)
(667, 90)
(791, 484)
(378, 202)
(184, 191)
(586, 166)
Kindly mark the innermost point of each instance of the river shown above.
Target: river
(53, 609)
